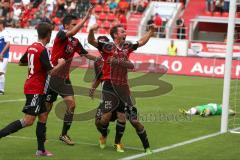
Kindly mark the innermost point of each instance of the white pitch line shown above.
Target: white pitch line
(13, 100)
(84, 143)
(172, 146)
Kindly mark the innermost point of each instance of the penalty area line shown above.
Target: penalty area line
(13, 100)
(162, 149)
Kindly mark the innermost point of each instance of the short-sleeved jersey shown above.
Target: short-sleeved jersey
(3, 42)
(65, 47)
(38, 66)
(116, 73)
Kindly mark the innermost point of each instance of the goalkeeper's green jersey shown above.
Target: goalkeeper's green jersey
(214, 108)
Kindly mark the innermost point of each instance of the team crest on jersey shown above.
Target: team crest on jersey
(69, 49)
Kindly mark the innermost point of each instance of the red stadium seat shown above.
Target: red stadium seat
(106, 25)
(111, 17)
(102, 31)
(106, 9)
(99, 23)
(207, 13)
(216, 14)
(102, 16)
(225, 14)
(98, 8)
(84, 29)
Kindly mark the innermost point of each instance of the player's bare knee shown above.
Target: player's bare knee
(28, 120)
(70, 102)
(106, 118)
(121, 117)
(43, 117)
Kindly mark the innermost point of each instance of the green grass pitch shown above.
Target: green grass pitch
(162, 131)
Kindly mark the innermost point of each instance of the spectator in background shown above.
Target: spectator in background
(181, 29)
(123, 5)
(60, 9)
(172, 49)
(141, 5)
(210, 5)
(149, 22)
(219, 4)
(50, 4)
(101, 1)
(226, 5)
(112, 5)
(70, 6)
(162, 33)
(6, 12)
(17, 10)
(158, 23)
(4, 55)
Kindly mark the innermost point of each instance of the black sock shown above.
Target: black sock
(41, 135)
(11, 128)
(103, 129)
(120, 127)
(67, 122)
(143, 136)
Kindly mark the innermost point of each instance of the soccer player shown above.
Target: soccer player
(98, 75)
(116, 92)
(4, 55)
(38, 67)
(65, 46)
(206, 110)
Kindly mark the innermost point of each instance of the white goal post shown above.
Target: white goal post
(228, 66)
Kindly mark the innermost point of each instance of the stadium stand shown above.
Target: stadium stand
(175, 16)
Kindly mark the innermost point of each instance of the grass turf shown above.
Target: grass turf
(159, 113)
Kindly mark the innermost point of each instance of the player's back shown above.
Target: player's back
(36, 72)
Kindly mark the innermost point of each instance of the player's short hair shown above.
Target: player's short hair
(103, 38)
(68, 18)
(43, 30)
(114, 29)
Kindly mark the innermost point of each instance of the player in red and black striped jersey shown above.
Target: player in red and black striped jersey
(65, 46)
(37, 58)
(116, 92)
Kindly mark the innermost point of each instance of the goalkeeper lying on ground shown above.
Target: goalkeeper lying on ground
(206, 110)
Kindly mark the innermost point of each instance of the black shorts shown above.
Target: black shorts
(131, 113)
(115, 97)
(35, 104)
(100, 112)
(58, 86)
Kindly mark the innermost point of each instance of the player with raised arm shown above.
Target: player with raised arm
(37, 58)
(65, 46)
(116, 92)
(100, 110)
